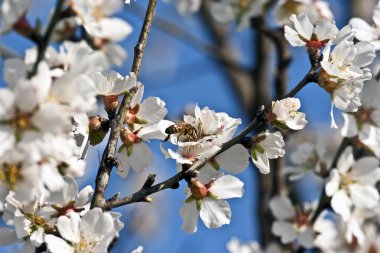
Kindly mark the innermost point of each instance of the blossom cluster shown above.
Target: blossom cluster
(48, 118)
(242, 12)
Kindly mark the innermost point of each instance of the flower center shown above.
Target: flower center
(301, 219)
(83, 246)
(10, 174)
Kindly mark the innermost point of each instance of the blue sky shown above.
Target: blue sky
(181, 77)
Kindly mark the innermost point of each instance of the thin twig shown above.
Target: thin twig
(44, 42)
(182, 35)
(324, 200)
(108, 158)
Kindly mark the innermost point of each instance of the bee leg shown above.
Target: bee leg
(167, 138)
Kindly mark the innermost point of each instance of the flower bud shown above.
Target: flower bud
(198, 190)
(110, 103)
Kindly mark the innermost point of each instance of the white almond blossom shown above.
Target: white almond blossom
(235, 246)
(306, 34)
(95, 17)
(336, 235)
(292, 223)
(284, 114)
(344, 72)
(307, 158)
(186, 7)
(144, 113)
(241, 11)
(364, 124)
(208, 201)
(135, 153)
(91, 233)
(208, 125)
(11, 11)
(111, 83)
(352, 183)
(365, 32)
(316, 10)
(267, 146)
(25, 217)
(67, 199)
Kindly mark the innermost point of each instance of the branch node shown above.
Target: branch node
(149, 181)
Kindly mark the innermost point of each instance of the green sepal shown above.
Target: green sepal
(260, 149)
(214, 164)
(121, 148)
(189, 199)
(129, 150)
(253, 154)
(212, 195)
(141, 121)
(199, 204)
(97, 136)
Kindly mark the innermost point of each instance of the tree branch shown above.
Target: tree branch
(108, 157)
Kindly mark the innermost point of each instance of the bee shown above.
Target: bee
(182, 129)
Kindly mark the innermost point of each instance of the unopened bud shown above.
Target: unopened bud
(98, 128)
(198, 190)
(110, 103)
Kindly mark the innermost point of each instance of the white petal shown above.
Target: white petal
(153, 110)
(281, 208)
(292, 37)
(215, 213)
(114, 29)
(307, 238)
(189, 214)
(227, 186)
(262, 162)
(364, 196)
(57, 245)
(138, 250)
(303, 25)
(95, 224)
(350, 127)
(234, 160)
(68, 227)
(341, 204)
(285, 230)
(345, 161)
(141, 157)
(37, 237)
(362, 30)
(332, 183)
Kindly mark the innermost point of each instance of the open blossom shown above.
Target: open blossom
(292, 223)
(241, 11)
(208, 201)
(352, 183)
(67, 199)
(338, 235)
(210, 126)
(91, 233)
(284, 114)
(187, 6)
(306, 34)
(267, 146)
(235, 246)
(344, 72)
(316, 10)
(95, 17)
(364, 124)
(134, 152)
(365, 32)
(307, 158)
